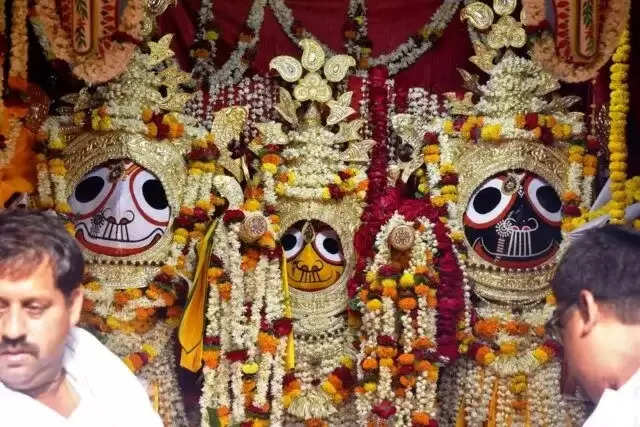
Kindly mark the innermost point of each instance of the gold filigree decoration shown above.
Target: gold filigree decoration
(410, 129)
(289, 68)
(340, 109)
(159, 51)
(504, 7)
(227, 125)
(229, 189)
(507, 32)
(312, 55)
(287, 107)
(484, 56)
(336, 67)
(478, 14)
(312, 87)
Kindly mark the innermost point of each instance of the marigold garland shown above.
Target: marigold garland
(618, 109)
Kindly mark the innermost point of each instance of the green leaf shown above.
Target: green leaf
(214, 421)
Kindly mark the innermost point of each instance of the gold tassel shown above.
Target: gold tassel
(290, 361)
(191, 330)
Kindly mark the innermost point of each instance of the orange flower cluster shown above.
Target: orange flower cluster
(267, 343)
(488, 328)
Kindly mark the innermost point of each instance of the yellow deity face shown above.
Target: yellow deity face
(314, 255)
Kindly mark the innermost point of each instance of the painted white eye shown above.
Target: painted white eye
(488, 205)
(149, 197)
(292, 243)
(545, 201)
(327, 246)
(91, 193)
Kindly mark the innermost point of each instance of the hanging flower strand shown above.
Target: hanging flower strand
(619, 107)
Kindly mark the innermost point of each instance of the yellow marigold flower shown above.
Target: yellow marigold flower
(250, 368)
(431, 149)
(447, 168)
(127, 361)
(328, 387)
(370, 387)
(508, 348)
(371, 276)
(150, 350)
(105, 123)
(346, 361)
(520, 121)
(617, 166)
(389, 283)
(551, 299)
(576, 149)
(374, 304)
(489, 358)
(251, 205)
(291, 178)
(326, 194)
(540, 355)
(93, 286)
(438, 201)
(589, 171)
(447, 126)
(280, 189)
(636, 224)
(619, 196)
(449, 189)
(269, 168)
(71, 229)
(407, 280)
(423, 188)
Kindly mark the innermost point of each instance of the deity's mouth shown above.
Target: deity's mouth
(518, 253)
(125, 245)
(311, 280)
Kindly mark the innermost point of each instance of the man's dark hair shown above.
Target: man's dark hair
(606, 262)
(27, 239)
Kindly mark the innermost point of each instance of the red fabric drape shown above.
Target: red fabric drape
(390, 24)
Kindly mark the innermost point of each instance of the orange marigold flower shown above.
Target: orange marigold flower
(211, 358)
(337, 383)
(421, 290)
(486, 328)
(223, 411)
(136, 360)
(315, 422)
(420, 418)
(406, 359)
(422, 366)
(407, 381)
(390, 292)
(267, 343)
(369, 364)
(224, 289)
(422, 342)
(539, 331)
(248, 386)
(272, 158)
(407, 304)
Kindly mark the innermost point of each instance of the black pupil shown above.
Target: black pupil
(331, 245)
(154, 194)
(89, 189)
(288, 242)
(548, 198)
(486, 200)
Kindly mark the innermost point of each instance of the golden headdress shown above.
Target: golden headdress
(139, 117)
(515, 128)
(317, 172)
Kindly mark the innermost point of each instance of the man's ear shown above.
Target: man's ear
(589, 311)
(75, 305)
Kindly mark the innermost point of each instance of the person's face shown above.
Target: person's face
(35, 319)
(584, 336)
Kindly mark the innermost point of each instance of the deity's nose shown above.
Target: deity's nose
(308, 259)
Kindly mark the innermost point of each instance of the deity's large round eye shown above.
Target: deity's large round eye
(489, 204)
(544, 200)
(91, 192)
(149, 197)
(292, 242)
(327, 246)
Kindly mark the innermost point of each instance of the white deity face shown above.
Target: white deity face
(120, 209)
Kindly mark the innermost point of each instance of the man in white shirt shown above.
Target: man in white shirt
(597, 319)
(52, 373)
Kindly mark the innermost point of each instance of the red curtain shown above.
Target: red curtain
(390, 24)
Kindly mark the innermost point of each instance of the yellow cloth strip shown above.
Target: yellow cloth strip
(290, 361)
(191, 330)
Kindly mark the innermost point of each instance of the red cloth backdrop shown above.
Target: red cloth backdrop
(390, 24)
